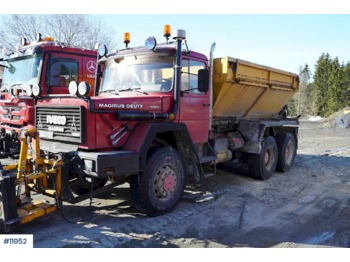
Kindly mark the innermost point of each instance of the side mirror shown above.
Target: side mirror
(203, 80)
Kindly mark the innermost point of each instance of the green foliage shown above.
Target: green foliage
(331, 85)
(292, 107)
(304, 96)
(322, 83)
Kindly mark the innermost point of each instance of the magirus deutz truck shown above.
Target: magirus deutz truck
(36, 68)
(159, 116)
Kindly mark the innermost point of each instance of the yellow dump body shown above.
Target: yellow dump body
(247, 90)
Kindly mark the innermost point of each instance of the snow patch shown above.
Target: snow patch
(315, 118)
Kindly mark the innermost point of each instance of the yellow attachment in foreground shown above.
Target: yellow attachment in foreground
(34, 173)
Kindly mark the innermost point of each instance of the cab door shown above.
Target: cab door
(194, 105)
(61, 69)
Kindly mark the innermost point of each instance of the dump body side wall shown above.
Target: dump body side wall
(247, 90)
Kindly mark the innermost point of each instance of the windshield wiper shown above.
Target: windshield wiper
(137, 89)
(112, 91)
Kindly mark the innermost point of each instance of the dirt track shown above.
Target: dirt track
(308, 206)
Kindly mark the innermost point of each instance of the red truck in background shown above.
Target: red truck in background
(37, 69)
(160, 116)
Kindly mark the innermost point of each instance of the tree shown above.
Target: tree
(322, 83)
(75, 29)
(17, 26)
(305, 91)
(333, 92)
(344, 94)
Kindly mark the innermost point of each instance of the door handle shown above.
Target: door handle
(207, 105)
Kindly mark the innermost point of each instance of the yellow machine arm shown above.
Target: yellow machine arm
(35, 176)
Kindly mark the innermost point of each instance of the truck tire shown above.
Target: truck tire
(287, 149)
(263, 165)
(161, 185)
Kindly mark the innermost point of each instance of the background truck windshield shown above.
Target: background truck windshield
(21, 71)
(149, 74)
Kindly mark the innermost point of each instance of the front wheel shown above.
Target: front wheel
(162, 183)
(263, 165)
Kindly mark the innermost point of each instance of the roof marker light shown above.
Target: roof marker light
(167, 32)
(126, 39)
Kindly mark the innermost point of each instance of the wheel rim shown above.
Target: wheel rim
(288, 154)
(269, 157)
(165, 182)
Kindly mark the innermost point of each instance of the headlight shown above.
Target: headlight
(29, 90)
(24, 41)
(84, 88)
(73, 88)
(151, 43)
(89, 165)
(36, 90)
(38, 37)
(102, 50)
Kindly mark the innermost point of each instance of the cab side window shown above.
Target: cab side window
(61, 72)
(189, 76)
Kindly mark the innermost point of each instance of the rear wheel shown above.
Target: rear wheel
(161, 185)
(287, 149)
(263, 165)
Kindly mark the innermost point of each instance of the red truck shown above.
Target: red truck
(43, 67)
(159, 117)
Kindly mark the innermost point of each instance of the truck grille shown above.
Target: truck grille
(6, 112)
(60, 123)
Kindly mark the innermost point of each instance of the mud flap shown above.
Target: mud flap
(8, 206)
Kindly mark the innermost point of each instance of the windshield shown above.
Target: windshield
(138, 73)
(21, 71)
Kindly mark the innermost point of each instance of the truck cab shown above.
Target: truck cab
(39, 68)
(147, 101)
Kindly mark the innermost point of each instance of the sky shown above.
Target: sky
(281, 34)
(285, 42)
